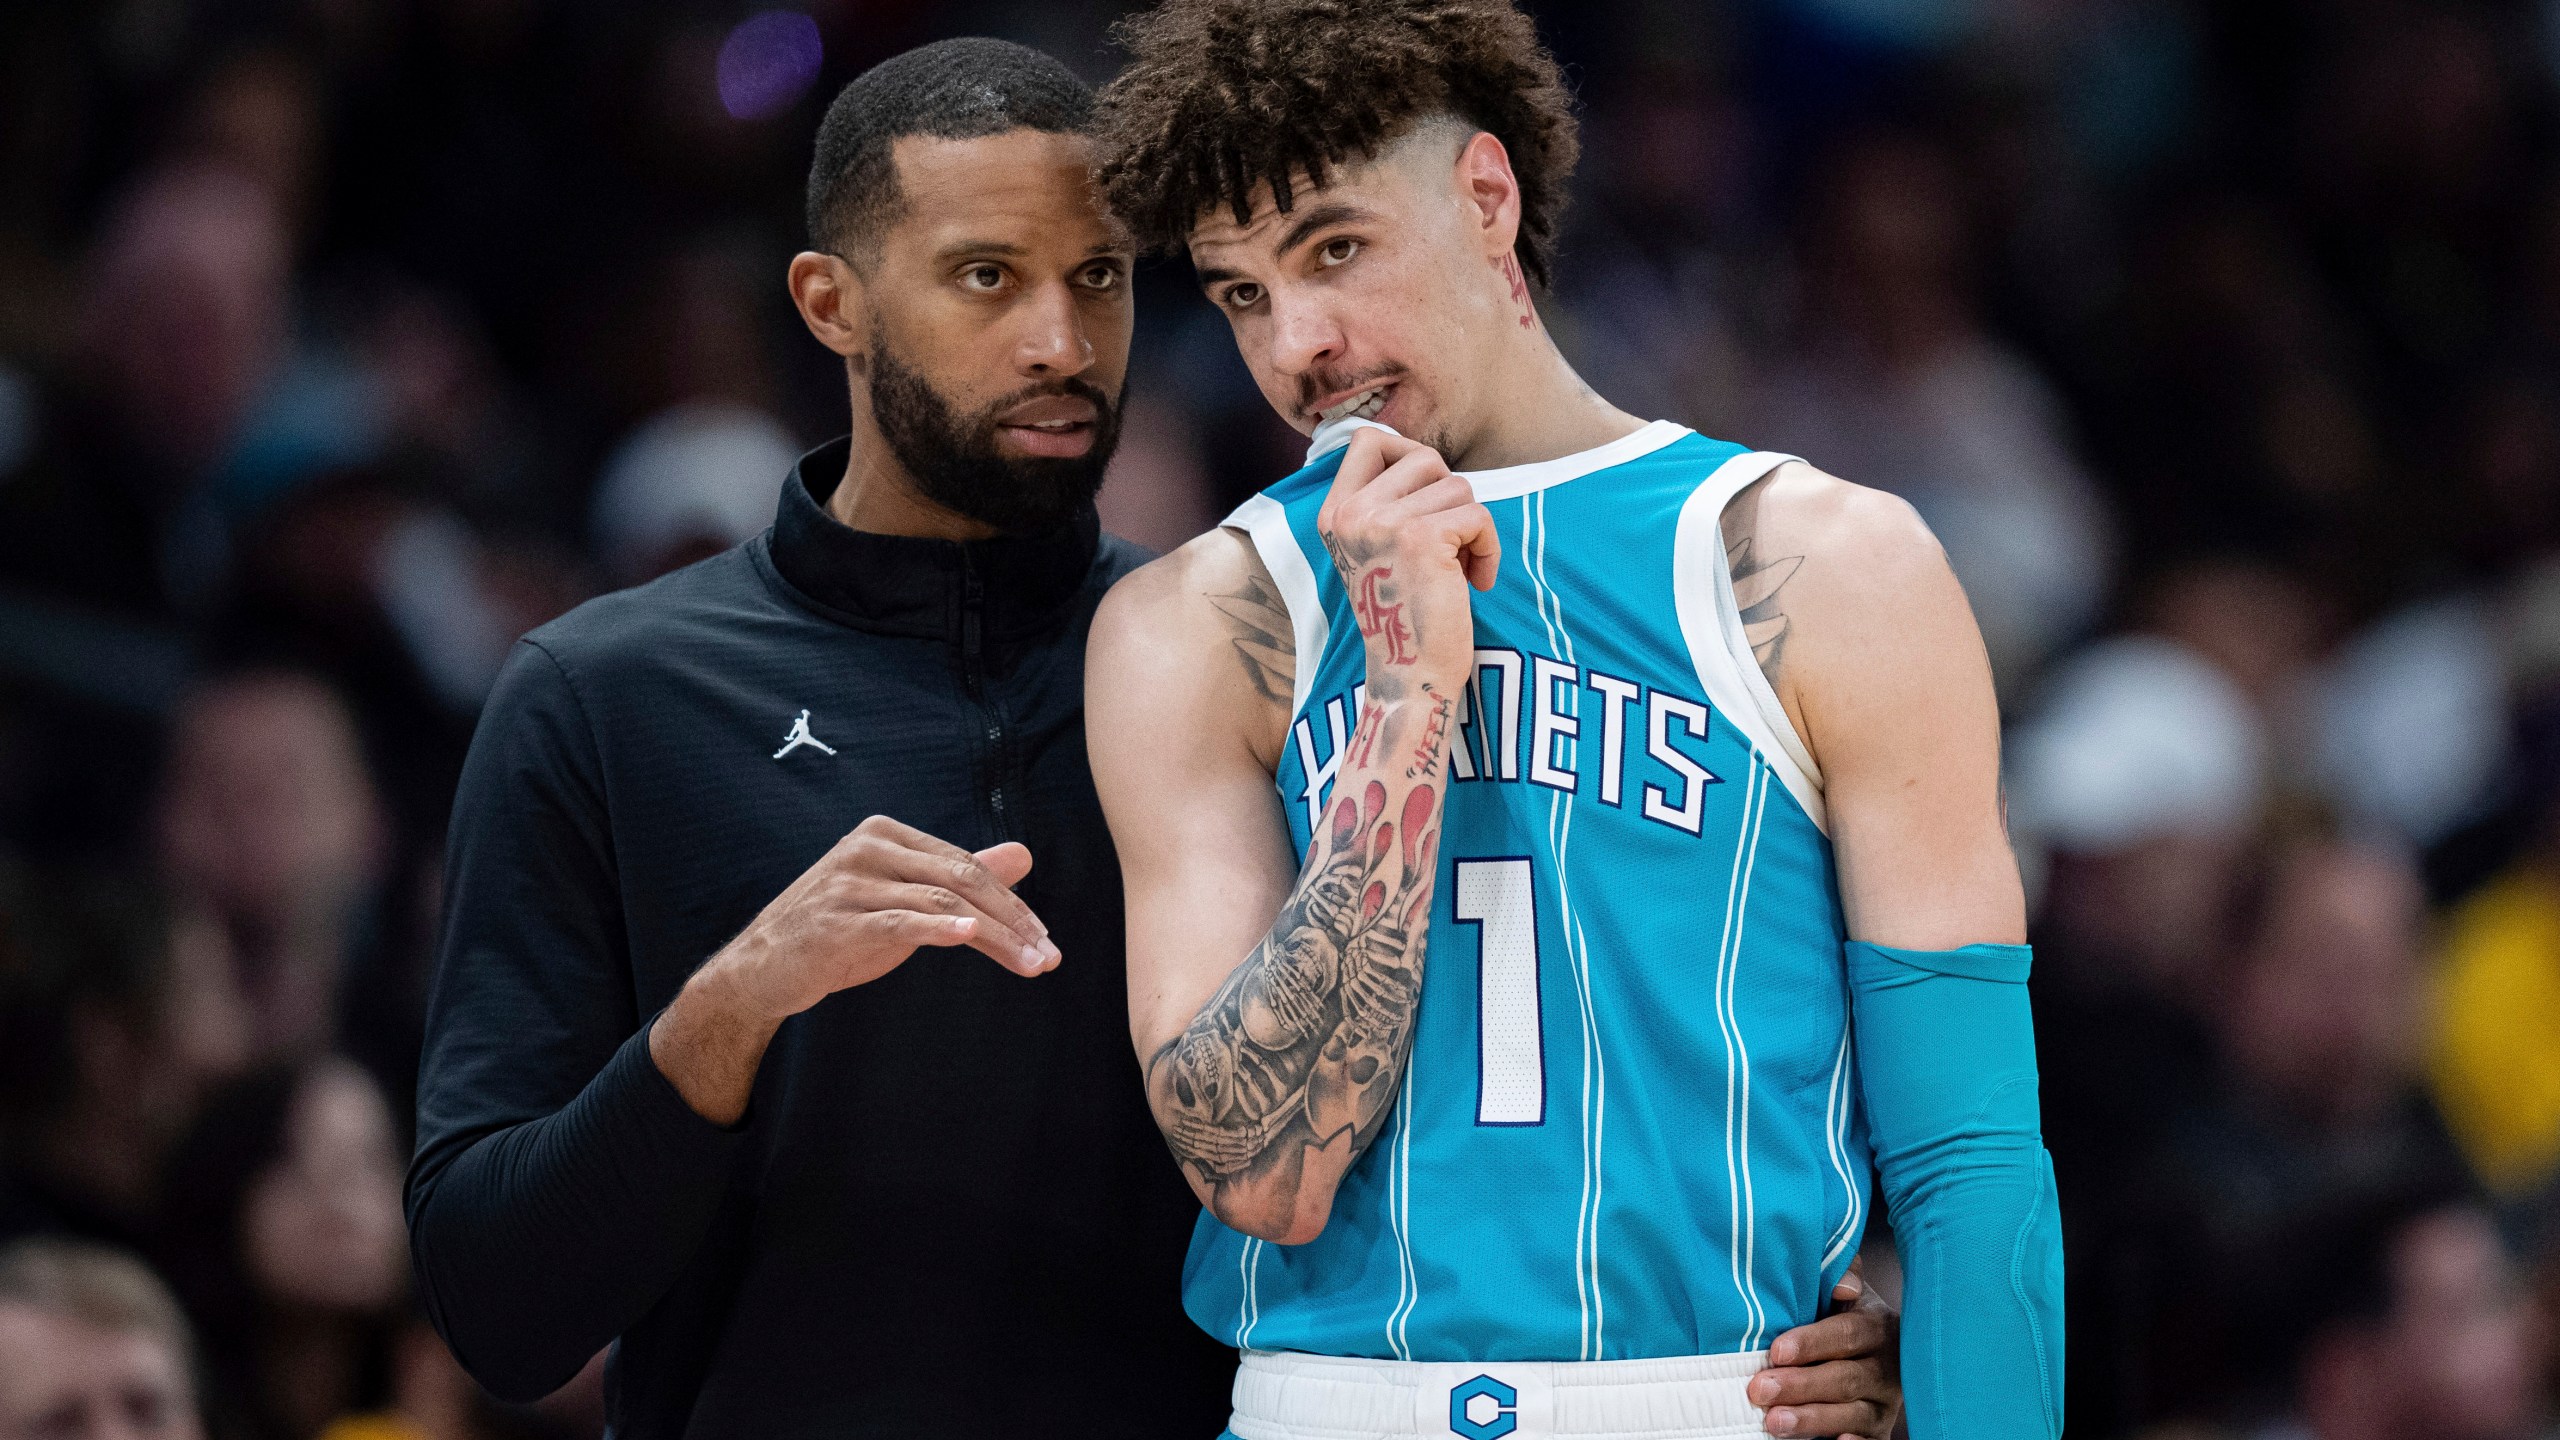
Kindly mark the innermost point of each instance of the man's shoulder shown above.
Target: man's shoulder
(1801, 510)
(647, 622)
(1218, 559)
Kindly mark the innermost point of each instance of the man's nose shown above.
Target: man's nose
(1304, 335)
(1053, 342)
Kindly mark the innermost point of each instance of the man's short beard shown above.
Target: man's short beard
(955, 461)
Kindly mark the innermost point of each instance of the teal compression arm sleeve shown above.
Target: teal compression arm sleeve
(1947, 1063)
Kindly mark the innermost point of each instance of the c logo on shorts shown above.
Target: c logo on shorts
(1496, 1403)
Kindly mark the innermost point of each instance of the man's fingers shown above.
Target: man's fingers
(1852, 1286)
(1443, 492)
(1835, 1382)
(990, 937)
(937, 862)
(915, 929)
(1368, 455)
(1410, 476)
(1836, 1337)
(1008, 862)
(1854, 1419)
(1470, 529)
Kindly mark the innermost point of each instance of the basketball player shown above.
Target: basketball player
(1551, 884)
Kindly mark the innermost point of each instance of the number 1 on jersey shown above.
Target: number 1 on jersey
(1499, 898)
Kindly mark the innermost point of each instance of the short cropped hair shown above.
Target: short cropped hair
(951, 89)
(96, 1285)
(1224, 96)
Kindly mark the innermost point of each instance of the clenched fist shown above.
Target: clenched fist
(1409, 537)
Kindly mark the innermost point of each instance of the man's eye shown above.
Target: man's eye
(982, 278)
(1102, 277)
(1338, 250)
(1243, 297)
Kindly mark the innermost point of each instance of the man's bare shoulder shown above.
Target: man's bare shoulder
(1211, 593)
(1843, 530)
(1829, 575)
(1219, 558)
(1207, 618)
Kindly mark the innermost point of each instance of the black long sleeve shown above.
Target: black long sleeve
(561, 1184)
(949, 1212)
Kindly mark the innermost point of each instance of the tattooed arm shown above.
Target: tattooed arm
(1273, 1005)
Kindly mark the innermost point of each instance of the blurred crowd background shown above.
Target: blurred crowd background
(343, 340)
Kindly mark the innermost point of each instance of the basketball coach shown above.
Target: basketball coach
(779, 1037)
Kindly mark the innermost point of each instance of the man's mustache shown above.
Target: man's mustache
(1316, 386)
(1074, 385)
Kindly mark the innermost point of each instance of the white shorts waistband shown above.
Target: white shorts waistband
(1287, 1396)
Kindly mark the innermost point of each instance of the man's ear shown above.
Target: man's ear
(833, 303)
(1492, 191)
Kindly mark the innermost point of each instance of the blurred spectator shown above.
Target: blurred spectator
(268, 819)
(184, 324)
(2420, 1328)
(2259, 623)
(2316, 1110)
(116, 1015)
(2319, 1018)
(289, 1249)
(2142, 777)
(2411, 722)
(257, 113)
(689, 483)
(2494, 1046)
(1897, 385)
(91, 1348)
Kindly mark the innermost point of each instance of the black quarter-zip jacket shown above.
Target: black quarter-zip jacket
(948, 1211)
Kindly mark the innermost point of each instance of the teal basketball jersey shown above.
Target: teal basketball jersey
(1629, 1126)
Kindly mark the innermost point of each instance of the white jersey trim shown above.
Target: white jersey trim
(1513, 481)
(1702, 590)
(1266, 524)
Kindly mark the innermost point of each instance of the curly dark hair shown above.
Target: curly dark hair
(1223, 96)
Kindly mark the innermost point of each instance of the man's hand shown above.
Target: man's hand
(1841, 1375)
(1404, 531)
(885, 891)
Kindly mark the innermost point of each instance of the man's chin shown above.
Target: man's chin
(1037, 495)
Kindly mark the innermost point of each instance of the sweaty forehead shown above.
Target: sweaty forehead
(1021, 186)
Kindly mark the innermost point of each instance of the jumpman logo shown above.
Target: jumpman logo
(800, 736)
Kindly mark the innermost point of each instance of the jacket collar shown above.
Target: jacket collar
(906, 585)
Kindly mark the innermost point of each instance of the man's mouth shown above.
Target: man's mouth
(1364, 403)
(1053, 425)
